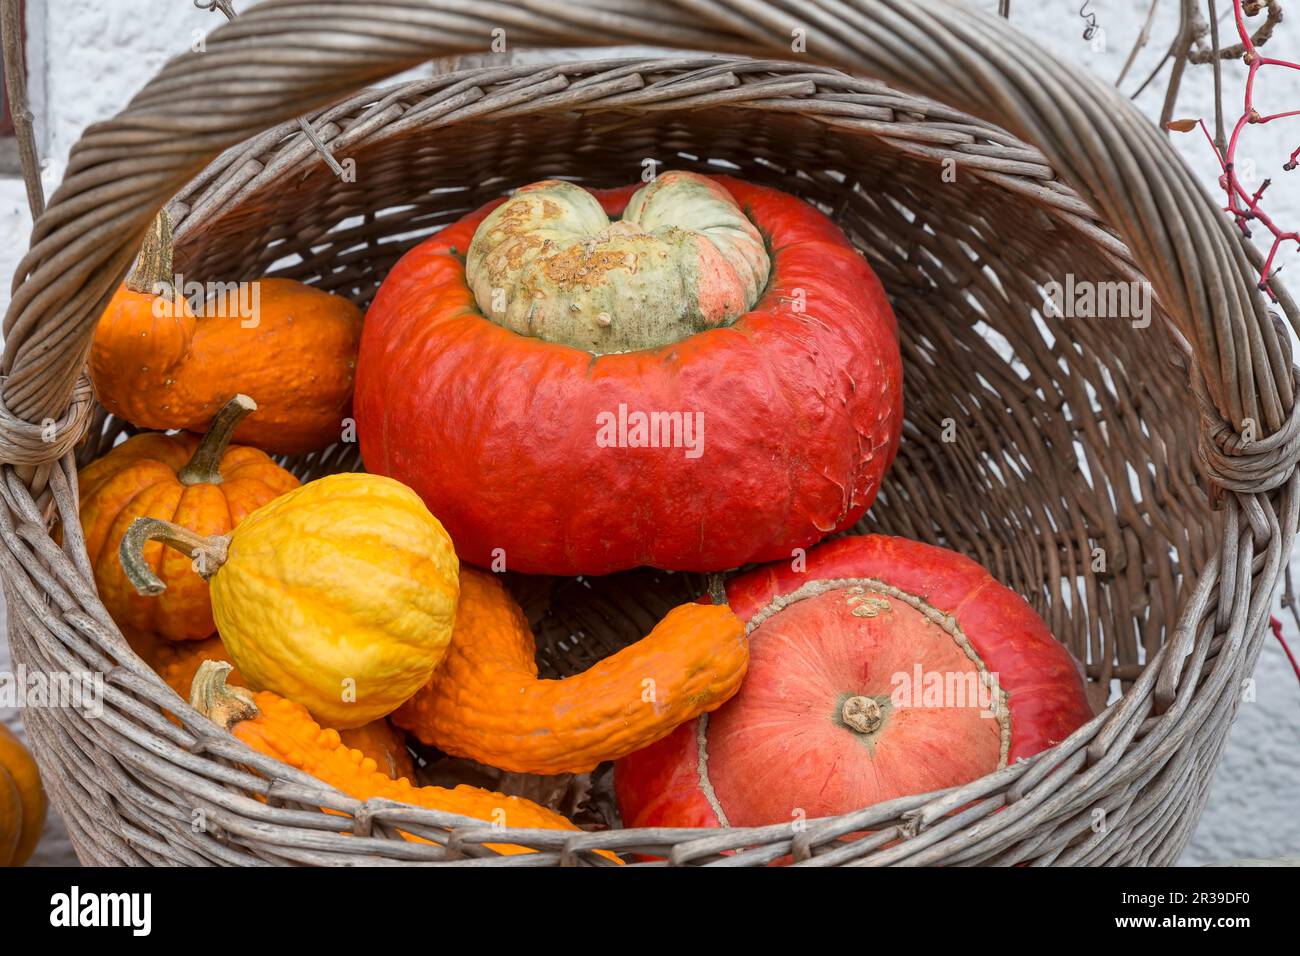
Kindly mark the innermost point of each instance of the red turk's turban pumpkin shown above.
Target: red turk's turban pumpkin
(711, 380)
(864, 685)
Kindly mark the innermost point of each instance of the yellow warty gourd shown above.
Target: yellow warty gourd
(340, 595)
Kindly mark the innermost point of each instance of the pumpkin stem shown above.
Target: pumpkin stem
(153, 267)
(216, 700)
(208, 552)
(204, 467)
(863, 714)
(717, 589)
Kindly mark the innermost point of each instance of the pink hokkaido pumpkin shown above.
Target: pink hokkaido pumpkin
(884, 668)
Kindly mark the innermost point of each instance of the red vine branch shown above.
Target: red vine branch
(1276, 626)
(1243, 205)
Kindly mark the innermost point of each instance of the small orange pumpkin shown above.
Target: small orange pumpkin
(22, 801)
(158, 365)
(205, 485)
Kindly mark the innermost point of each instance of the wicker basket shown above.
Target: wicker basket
(1072, 438)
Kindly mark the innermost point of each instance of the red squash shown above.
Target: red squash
(864, 685)
(537, 448)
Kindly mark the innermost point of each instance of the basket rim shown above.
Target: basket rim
(1001, 159)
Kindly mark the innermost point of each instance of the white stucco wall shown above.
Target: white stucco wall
(89, 56)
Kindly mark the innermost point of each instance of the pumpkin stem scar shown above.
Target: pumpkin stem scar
(862, 714)
(717, 589)
(204, 467)
(153, 267)
(209, 552)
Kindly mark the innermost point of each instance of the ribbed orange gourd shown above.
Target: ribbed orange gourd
(487, 703)
(284, 730)
(339, 595)
(178, 662)
(22, 801)
(205, 485)
(157, 364)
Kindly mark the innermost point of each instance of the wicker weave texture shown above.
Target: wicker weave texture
(1071, 436)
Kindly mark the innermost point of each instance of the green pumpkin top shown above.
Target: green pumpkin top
(683, 258)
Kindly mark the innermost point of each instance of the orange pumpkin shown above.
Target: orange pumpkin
(488, 411)
(158, 365)
(207, 486)
(22, 801)
(880, 667)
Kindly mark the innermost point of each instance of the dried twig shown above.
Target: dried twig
(1143, 38)
(1190, 28)
(1263, 33)
(1220, 137)
(1276, 625)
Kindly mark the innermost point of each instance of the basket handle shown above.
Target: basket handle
(282, 58)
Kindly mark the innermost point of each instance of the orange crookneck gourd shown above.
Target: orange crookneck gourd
(178, 661)
(487, 703)
(205, 484)
(158, 364)
(283, 730)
